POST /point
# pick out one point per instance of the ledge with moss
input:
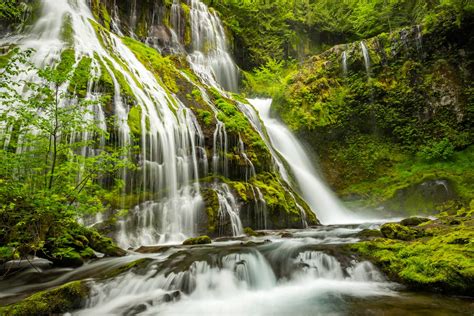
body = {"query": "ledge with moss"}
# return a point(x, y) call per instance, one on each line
point(436, 255)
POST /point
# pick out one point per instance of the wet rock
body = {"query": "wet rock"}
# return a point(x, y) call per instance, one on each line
point(414, 221)
point(66, 298)
point(369, 233)
point(152, 249)
point(286, 235)
point(201, 240)
point(397, 231)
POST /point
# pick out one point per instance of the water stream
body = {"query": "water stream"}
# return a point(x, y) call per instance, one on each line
point(313, 189)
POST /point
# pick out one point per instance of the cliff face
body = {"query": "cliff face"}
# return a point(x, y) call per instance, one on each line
point(407, 104)
point(157, 78)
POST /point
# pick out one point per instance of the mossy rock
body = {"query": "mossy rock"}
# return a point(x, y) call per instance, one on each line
point(250, 232)
point(414, 221)
point(397, 231)
point(63, 299)
point(201, 240)
point(369, 233)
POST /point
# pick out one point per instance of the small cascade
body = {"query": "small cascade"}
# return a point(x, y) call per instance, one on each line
point(176, 20)
point(249, 167)
point(210, 58)
point(260, 208)
point(133, 17)
point(313, 189)
point(219, 283)
point(228, 211)
point(319, 265)
point(365, 54)
point(115, 23)
point(344, 63)
point(419, 38)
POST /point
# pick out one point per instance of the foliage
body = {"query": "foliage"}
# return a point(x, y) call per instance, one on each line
point(296, 28)
point(46, 183)
point(11, 10)
point(435, 151)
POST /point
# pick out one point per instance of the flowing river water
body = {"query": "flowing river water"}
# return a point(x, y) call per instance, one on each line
point(292, 272)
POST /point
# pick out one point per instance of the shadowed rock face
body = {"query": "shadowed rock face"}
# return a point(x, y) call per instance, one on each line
point(424, 197)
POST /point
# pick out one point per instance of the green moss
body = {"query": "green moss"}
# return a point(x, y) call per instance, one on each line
point(5, 58)
point(162, 67)
point(67, 32)
point(211, 202)
point(441, 260)
point(68, 59)
point(134, 265)
point(135, 121)
point(250, 232)
point(401, 232)
point(201, 240)
point(80, 77)
point(66, 298)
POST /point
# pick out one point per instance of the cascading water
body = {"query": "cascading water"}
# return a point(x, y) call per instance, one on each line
point(170, 133)
point(315, 283)
point(228, 211)
point(344, 63)
point(312, 187)
point(365, 54)
point(210, 58)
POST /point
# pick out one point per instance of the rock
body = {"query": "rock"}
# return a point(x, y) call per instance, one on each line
point(397, 231)
point(66, 298)
point(152, 249)
point(414, 221)
point(201, 240)
point(369, 233)
point(286, 235)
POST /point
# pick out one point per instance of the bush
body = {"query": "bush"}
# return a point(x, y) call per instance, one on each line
point(435, 151)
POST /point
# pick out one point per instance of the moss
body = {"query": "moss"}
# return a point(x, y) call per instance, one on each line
point(68, 59)
point(441, 260)
point(250, 232)
point(205, 116)
point(5, 58)
point(135, 121)
point(284, 207)
point(134, 265)
point(414, 221)
point(63, 299)
point(397, 231)
point(211, 202)
point(162, 67)
point(201, 240)
point(80, 77)
point(67, 32)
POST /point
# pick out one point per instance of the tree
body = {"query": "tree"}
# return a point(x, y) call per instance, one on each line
point(45, 181)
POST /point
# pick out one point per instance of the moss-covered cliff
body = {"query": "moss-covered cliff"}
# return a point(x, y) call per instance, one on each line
point(401, 119)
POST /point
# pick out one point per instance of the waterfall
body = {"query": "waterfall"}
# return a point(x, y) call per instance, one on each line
point(344, 63)
point(366, 55)
point(228, 211)
point(218, 286)
point(170, 135)
point(210, 58)
point(313, 189)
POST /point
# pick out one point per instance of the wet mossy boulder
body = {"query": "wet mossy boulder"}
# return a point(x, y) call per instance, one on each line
point(369, 233)
point(439, 260)
point(73, 248)
point(398, 231)
point(414, 221)
point(201, 240)
point(63, 299)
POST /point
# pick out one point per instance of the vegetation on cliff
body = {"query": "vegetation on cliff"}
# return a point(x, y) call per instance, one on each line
point(435, 254)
